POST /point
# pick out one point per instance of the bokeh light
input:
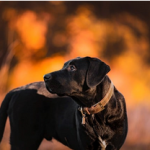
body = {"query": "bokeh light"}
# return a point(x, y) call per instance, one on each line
point(38, 37)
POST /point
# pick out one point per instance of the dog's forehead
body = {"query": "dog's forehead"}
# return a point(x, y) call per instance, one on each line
point(67, 63)
point(76, 61)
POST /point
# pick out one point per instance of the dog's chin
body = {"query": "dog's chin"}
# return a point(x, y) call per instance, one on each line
point(50, 90)
point(61, 94)
point(54, 92)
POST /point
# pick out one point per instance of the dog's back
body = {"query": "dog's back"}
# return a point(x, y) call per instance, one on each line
point(35, 114)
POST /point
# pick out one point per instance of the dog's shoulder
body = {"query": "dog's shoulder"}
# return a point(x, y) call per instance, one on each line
point(35, 87)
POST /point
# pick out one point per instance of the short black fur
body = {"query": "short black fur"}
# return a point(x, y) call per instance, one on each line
point(35, 113)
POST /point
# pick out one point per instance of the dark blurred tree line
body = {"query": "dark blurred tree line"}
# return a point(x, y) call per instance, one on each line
point(100, 9)
point(57, 27)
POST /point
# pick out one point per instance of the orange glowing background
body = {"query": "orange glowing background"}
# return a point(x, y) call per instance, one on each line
point(41, 40)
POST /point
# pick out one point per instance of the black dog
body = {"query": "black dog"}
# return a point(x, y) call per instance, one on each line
point(34, 113)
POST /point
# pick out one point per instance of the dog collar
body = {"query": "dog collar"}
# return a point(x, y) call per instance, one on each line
point(98, 107)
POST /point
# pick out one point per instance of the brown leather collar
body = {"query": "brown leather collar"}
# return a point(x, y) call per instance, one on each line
point(100, 105)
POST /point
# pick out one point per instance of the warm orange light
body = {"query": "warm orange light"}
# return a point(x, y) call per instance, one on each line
point(27, 72)
point(31, 30)
point(88, 35)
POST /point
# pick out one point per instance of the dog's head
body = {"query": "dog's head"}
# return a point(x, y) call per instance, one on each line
point(78, 77)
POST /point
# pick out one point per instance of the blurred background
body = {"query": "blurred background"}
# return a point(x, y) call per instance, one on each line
point(38, 37)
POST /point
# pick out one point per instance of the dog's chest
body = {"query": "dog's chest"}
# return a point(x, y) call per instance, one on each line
point(71, 132)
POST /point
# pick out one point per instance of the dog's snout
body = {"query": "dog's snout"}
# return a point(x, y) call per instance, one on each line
point(47, 77)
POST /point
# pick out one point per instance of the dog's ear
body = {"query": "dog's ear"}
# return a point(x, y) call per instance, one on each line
point(96, 72)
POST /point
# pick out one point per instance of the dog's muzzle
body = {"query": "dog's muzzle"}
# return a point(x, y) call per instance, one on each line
point(47, 77)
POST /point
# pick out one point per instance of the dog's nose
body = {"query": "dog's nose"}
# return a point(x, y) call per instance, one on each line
point(47, 77)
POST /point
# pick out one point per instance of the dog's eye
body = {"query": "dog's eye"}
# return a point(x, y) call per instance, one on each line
point(72, 68)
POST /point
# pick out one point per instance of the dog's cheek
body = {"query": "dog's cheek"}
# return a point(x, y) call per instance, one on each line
point(78, 89)
point(79, 79)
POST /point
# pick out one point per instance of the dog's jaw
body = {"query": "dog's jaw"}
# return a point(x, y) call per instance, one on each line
point(85, 98)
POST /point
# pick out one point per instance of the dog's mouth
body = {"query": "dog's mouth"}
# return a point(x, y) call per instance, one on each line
point(73, 95)
point(50, 90)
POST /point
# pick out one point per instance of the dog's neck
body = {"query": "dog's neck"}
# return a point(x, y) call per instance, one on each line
point(106, 91)
point(92, 96)
point(102, 89)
